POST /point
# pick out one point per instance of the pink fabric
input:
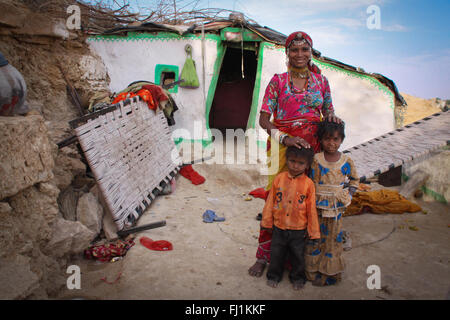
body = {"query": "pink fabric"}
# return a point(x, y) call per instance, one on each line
point(286, 102)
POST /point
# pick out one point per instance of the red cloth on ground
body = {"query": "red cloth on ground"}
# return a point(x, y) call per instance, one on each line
point(105, 252)
point(259, 193)
point(189, 173)
point(160, 245)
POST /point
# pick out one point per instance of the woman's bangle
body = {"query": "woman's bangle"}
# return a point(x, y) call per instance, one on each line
point(275, 133)
point(279, 136)
point(282, 137)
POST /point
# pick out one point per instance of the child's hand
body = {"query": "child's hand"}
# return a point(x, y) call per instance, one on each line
point(269, 230)
point(313, 242)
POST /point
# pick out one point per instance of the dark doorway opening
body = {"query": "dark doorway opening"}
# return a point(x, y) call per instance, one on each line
point(233, 97)
point(167, 78)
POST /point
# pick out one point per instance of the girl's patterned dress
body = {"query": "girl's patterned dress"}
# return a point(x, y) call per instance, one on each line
point(324, 261)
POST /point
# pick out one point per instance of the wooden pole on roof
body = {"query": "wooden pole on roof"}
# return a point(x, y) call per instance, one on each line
point(175, 10)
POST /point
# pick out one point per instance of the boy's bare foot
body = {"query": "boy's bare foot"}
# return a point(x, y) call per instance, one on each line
point(272, 283)
point(257, 269)
point(298, 285)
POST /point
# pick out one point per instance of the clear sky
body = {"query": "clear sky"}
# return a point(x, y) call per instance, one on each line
point(411, 45)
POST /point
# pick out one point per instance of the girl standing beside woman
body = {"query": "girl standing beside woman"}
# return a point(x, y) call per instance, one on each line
point(330, 171)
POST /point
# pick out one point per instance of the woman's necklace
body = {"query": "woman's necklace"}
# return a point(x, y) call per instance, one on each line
point(293, 88)
point(302, 73)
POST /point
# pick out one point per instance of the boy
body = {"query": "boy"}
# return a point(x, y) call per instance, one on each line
point(290, 213)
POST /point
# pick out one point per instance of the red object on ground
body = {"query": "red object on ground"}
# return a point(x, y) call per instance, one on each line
point(160, 245)
point(259, 193)
point(105, 252)
point(189, 173)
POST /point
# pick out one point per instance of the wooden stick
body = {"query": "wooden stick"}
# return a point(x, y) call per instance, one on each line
point(67, 142)
point(124, 233)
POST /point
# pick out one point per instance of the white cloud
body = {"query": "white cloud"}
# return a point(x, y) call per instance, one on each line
point(394, 28)
point(350, 23)
point(345, 22)
point(302, 8)
point(425, 75)
point(326, 37)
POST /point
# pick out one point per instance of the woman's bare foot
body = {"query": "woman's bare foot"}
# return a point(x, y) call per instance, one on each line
point(272, 283)
point(298, 285)
point(257, 269)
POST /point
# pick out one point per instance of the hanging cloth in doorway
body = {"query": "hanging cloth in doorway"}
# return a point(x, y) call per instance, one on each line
point(189, 74)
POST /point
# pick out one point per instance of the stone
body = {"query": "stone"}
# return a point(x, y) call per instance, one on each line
point(5, 207)
point(67, 202)
point(90, 212)
point(83, 182)
point(109, 227)
point(16, 278)
point(67, 166)
point(69, 237)
point(27, 223)
point(26, 155)
point(12, 16)
point(34, 210)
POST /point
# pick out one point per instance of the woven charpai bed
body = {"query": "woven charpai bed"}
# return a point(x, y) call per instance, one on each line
point(132, 156)
point(401, 146)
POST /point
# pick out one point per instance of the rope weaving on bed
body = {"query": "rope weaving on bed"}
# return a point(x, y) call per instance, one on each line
point(129, 150)
point(400, 146)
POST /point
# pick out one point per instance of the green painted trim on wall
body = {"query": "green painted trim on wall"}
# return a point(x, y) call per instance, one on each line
point(221, 49)
point(160, 68)
point(247, 35)
point(135, 36)
point(353, 74)
point(205, 143)
point(255, 99)
point(437, 196)
point(262, 144)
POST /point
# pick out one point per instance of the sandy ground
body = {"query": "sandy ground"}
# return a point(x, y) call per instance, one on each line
point(210, 260)
point(418, 108)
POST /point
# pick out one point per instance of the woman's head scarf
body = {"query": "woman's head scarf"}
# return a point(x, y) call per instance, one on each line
point(300, 35)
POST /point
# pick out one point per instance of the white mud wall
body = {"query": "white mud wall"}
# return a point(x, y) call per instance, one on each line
point(136, 59)
point(364, 104)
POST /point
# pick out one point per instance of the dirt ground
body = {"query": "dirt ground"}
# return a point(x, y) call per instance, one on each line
point(210, 260)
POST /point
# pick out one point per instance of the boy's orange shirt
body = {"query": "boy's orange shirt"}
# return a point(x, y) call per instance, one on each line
point(291, 205)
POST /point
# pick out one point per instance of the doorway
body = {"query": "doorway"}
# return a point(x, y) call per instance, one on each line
point(232, 101)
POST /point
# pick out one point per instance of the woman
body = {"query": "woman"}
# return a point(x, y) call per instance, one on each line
point(298, 100)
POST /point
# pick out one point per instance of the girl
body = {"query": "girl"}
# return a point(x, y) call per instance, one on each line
point(330, 170)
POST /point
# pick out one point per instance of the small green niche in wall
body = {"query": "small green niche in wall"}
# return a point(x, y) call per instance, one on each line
point(165, 74)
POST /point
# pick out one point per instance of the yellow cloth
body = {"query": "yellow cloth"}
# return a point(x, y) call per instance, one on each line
point(381, 201)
